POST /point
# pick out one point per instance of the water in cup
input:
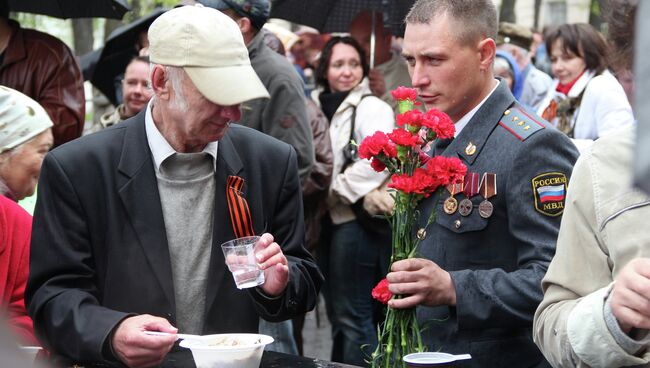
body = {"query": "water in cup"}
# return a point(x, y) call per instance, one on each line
point(240, 257)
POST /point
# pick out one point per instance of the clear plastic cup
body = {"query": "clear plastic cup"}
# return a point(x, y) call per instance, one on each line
point(240, 259)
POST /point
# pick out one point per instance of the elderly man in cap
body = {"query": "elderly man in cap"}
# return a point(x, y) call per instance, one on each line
point(283, 115)
point(516, 40)
point(129, 221)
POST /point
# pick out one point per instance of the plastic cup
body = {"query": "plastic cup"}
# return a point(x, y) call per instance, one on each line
point(240, 259)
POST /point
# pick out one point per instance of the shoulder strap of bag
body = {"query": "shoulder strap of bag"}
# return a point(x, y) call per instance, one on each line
point(349, 160)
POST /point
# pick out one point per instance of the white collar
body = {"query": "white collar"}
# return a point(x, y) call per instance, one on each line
point(460, 124)
point(581, 83)
point(161, 149)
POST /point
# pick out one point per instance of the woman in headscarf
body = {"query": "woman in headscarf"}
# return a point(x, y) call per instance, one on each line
point(586, 101)
point(506, 67)
point(25, 138)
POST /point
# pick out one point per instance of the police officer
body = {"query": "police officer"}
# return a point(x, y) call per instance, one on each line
point(516, 40)
point(477, 281)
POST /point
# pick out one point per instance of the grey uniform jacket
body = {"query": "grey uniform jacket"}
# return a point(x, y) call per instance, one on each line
point(284, 115)
point(497, 263)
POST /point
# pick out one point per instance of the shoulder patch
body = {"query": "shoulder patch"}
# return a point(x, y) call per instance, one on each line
point(521, 124)
point(549, 191)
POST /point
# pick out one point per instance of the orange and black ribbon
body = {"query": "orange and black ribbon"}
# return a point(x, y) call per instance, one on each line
point(240, 214)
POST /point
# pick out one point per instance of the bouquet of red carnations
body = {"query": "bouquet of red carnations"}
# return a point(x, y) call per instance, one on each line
point(415, 175)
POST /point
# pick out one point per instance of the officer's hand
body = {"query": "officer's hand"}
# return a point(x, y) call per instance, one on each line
point(377, 83)
point(630, 299)
point(276, 268)
point(378, 202)
point(421, 282)
point(135, 348)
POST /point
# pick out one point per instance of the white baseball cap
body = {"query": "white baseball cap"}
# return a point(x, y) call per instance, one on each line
point(209, 46)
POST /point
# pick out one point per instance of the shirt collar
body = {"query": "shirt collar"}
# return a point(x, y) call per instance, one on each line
point(460, 124)
point(161, 149)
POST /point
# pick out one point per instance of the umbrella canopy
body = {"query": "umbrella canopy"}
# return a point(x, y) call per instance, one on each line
point(88, 62)
point(72, 8)
point(115, 55)
point(336, 15)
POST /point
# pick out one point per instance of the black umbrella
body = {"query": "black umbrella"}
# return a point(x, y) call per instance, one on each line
point(72, 8)
point(113, 58)
point(336, 15)
point(88, 62)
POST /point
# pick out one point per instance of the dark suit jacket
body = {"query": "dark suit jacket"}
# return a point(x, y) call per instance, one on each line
point(496, 264)
point(100, 248)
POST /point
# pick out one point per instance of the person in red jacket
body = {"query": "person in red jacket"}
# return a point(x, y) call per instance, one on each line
point(15, 232)
point(25, 138)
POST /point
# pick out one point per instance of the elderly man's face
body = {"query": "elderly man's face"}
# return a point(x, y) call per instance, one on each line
point(445, 71)
point(198, 120)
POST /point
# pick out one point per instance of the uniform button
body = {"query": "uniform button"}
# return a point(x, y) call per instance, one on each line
point(457, 224)
point(555, 331)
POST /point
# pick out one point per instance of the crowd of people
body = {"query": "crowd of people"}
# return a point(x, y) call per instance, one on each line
point(129, 218)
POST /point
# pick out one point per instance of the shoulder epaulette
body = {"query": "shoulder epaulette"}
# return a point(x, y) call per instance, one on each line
point(521, 124)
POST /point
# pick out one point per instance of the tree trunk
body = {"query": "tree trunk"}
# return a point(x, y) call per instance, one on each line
point(136, 11)
point(507, 13)
point(597, 13)
point(538, 6)
point(110, 26)
point(82, 31)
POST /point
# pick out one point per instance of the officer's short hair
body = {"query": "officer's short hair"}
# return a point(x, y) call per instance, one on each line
point(477, 18)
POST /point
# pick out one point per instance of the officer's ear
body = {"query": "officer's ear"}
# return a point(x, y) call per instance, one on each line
point(487, 49)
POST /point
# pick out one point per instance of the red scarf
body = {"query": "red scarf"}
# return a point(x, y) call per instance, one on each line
point(565, 88)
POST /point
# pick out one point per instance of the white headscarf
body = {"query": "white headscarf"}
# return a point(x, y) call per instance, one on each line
point(21, 119)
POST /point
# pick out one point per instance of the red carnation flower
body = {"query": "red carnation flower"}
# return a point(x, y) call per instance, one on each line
point(446, 170)
point(404, 138)
point(375, 144)
point(381, 292)
point(403, 93)
point(377, 165)
point(418, 183)
point(440, 123)
point(411, 117)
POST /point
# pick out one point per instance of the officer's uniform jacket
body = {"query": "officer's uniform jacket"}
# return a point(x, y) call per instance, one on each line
point(497, 263)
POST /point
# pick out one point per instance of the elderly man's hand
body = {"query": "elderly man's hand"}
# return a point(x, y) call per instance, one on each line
point(276, 269)
point(422, 282)
point(135, 348)
point(630, 299)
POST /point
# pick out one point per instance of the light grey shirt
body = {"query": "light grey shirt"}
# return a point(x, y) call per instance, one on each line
point(186, 185)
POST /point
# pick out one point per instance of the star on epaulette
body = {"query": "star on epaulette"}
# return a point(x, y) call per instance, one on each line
point(519, 123)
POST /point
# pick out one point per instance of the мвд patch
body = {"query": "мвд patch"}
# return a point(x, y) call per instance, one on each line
point(549, 190)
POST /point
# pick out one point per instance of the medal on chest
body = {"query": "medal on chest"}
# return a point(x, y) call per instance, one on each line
point(488, 190)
